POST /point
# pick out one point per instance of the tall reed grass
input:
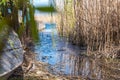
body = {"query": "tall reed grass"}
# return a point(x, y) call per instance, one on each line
point(92, 23)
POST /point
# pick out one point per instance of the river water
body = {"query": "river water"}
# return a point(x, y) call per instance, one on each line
point(70, 60)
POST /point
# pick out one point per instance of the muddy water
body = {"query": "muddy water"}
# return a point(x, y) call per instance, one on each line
point(70, 60)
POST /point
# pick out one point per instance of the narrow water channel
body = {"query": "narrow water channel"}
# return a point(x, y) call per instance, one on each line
point(67, 59)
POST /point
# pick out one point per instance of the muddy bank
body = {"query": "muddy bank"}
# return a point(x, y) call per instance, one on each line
point(36, 70)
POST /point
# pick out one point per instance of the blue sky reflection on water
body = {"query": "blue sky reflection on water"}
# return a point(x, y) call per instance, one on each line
point(41, 2)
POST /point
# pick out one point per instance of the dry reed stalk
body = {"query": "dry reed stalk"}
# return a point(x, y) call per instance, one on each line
point(96, 24)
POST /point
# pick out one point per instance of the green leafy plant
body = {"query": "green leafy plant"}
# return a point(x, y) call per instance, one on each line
point(46, 9)
point(27, 28)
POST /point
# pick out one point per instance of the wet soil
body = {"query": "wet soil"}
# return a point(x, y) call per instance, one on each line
point(36, 70)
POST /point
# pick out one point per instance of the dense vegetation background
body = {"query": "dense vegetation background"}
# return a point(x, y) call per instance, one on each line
point(92, 23)
point(18, 15)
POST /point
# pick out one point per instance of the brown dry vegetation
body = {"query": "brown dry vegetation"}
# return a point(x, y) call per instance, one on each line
point(94, 23)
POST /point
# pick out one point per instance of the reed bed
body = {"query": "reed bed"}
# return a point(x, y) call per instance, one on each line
point(92, 23)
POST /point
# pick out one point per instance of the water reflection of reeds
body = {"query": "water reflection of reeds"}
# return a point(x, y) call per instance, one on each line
point(74, 65)
point(69, 60)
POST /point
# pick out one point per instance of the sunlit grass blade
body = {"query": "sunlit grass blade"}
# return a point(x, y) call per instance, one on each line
point(46, 9)
point(4, 29)
point(33, 25)
point(21, 30)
